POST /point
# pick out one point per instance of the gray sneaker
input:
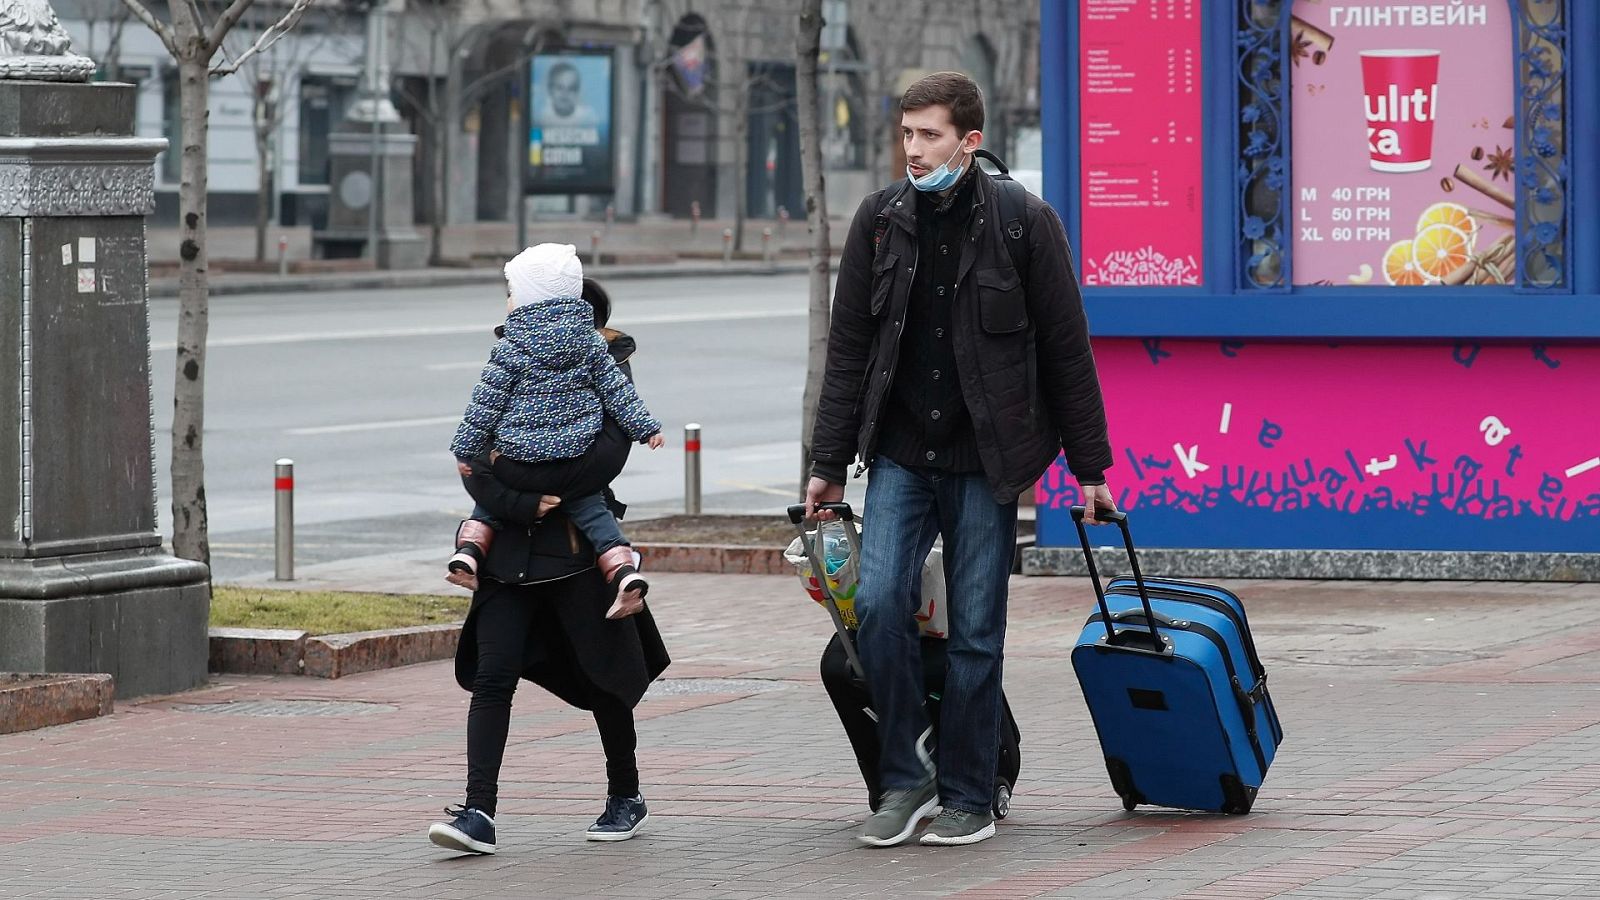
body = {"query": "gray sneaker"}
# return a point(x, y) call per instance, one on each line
point(957, 826)
point(899, 813)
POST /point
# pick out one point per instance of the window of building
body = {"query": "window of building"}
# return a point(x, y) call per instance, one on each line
point(324, 100)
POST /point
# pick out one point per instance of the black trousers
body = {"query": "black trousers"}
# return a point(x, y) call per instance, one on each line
point(502, 632)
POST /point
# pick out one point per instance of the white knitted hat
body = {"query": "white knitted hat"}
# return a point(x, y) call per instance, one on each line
point(544, 272)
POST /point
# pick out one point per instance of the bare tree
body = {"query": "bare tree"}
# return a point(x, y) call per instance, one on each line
point(892, 34)
point(808, 48)
point(444, 39)
point(193, 39)
point(740, 28)
point(268, 76)
point(114, 16)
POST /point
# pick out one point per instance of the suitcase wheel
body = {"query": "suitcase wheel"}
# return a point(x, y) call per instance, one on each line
point(1237, 797)
point(1002, 800)
point(1129, 803)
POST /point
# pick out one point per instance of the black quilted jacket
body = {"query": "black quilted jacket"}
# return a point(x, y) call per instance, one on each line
point(1022, 345)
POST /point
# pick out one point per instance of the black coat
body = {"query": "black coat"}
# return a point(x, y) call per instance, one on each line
point(573, 650)
point(1021, 342)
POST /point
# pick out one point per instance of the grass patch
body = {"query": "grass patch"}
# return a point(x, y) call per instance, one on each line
point(330, 612)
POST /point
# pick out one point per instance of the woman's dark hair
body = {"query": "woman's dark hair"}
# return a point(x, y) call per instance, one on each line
point(599, 299)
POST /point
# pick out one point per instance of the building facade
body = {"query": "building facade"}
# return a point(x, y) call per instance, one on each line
point(685, 104)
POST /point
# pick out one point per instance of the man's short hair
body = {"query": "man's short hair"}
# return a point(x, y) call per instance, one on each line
point(952, 90)
point(562, 68)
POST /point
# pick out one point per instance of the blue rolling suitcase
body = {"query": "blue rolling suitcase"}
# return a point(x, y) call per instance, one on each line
point(1178, 695)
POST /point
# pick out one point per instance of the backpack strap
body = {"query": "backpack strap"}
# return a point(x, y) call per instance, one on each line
point(1014, 215)
point(880, 222)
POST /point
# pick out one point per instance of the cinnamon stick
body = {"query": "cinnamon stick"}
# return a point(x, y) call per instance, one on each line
point(1320, 41)
point(1472, 179)
point(1496, 255)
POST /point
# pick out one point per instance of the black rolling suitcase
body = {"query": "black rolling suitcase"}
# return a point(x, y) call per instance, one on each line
point(848, 691)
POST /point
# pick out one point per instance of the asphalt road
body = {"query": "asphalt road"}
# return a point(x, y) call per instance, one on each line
point(363, 390)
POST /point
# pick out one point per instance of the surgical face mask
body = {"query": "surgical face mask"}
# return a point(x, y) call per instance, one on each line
point(938, 179)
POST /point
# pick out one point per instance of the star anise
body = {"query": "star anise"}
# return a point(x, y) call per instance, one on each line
point(1501, 164)
point(1300, 49)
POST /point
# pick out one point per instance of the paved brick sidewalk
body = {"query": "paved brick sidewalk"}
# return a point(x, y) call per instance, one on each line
point(1442, 743)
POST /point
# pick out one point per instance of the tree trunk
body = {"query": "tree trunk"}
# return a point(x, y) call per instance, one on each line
point(189, 524)
point(263, 129)
point(444, 121)
point(810, 113)
point(741, 162)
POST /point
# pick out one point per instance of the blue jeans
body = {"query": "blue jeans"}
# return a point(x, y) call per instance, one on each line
point(589, 512)
point(906, 509)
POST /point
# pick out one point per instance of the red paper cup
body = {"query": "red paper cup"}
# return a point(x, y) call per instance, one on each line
point(1402, 95)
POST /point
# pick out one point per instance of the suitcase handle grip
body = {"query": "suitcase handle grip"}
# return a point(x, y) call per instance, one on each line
point(1121, 518)
point(797, 513)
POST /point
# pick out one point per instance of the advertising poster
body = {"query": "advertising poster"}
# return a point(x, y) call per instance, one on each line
point(1216, 447)
point(1141, 142)
point(1403, 141)
point(569, 124)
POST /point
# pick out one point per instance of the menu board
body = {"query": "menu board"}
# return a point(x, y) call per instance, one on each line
point(1139, 83)
point(1404, 143)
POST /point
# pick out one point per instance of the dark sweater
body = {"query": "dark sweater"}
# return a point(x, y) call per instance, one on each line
point(926, 422)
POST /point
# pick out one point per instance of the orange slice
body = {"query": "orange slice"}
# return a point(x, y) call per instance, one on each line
point(1453, 214)
point(1440, 250)
point(1399, 268)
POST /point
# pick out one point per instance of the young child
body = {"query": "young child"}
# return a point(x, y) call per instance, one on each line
point(544, 394)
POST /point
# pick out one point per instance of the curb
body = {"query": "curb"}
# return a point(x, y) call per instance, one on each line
point(713, 559)
point(726, 559)
point(39, 701)
point(430, 278)
point(266, 651)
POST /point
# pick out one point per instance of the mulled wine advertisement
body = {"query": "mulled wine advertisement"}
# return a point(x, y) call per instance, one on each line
point(1403, 139)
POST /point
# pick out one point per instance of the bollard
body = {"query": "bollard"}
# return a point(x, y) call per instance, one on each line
point(691, 469)
point(783, 221)
point(594, 248)
point(283, 520)
point(694, 220)
point(611, 216)
point(766, 245)
point(727, 245)
point(283, 255)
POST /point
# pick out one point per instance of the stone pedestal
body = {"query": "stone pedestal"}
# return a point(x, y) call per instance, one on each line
point(353, 189)
point(84, 583)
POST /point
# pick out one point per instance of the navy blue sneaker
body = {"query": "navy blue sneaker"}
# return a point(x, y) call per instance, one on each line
point(620, 821)
point(471, 832)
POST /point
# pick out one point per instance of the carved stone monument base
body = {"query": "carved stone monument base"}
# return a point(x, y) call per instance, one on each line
point(347, 234)
point(84, 583)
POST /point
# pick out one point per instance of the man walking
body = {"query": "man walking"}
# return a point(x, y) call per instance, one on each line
point(958, 368)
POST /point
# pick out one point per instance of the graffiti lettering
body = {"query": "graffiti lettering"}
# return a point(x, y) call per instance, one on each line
point(1511, 460)
point(1468, 468)
point(1419, 455)
point(1549, 488)
point(1270, 434)
point(1494, 430)
point(1377, 467)
point(1354, 466)
point(1190, 461)
point(1466, 354)
point(1152, 346)
point(1542, 354)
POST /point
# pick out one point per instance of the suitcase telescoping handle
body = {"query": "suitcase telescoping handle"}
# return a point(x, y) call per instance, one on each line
point(1112, 638)
point(819, 570)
